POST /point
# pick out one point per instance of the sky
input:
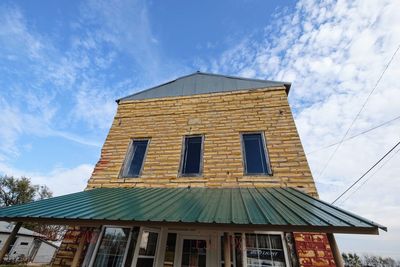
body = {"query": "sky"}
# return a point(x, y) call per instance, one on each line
point(64, 63)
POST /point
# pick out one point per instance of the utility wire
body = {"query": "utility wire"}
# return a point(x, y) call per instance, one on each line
point(362, 176)
point(356, 135)
point(359, 112)
point(372, 175)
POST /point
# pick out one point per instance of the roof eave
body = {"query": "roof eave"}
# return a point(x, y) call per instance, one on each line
point(287, 85)
point(373, 230)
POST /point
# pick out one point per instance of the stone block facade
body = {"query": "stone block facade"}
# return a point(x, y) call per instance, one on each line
point(220, 118)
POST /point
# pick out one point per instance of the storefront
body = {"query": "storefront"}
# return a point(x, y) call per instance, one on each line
point(141, 246)
point(196, 226)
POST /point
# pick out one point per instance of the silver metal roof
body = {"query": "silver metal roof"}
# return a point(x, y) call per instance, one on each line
point(203, 83)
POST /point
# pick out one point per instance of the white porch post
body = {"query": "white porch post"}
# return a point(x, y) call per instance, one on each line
point(227, 249)
point(78, 252)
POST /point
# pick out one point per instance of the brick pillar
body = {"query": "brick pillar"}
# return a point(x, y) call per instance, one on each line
point(313, 249)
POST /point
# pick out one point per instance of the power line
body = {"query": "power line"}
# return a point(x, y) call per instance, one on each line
point(358, 114)
point(372, 175)
point(356, 135)
point(362, 176)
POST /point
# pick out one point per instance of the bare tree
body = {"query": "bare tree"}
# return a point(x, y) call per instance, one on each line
point(14, 191)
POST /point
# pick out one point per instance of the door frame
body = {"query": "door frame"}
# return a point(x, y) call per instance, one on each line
point(137, 247)
point(179, 247)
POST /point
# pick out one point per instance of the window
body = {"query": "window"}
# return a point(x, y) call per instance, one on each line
point(194, 253)
point(170, 250)
point(147, 249)
point(135, 158)
point(254, 154)
point(24, 243)
point(112, 247)
point(192, 156)
point(264, 250)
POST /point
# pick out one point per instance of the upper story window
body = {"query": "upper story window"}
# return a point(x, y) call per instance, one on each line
point(254, 154)
point(192, 158)
point(135, 158)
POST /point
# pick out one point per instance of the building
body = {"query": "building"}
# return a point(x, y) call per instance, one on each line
point(28, 245)
point(205, 170)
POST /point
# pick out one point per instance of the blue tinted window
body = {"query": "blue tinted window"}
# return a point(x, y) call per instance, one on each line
point(192, 155)
point(135, 158)
point(254, 154)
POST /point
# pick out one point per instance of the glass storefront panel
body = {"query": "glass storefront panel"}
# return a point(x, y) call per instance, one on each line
point(170, 250)
point(132, 246)
point(112, 247)
point(147, 249)
point(194, 253)
point(264, 250)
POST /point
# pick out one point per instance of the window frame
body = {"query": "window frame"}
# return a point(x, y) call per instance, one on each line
point(136, 255)
point(281, 234)
point(180, 173)
point(243, 150)
point(129, 154)
point(100, 237)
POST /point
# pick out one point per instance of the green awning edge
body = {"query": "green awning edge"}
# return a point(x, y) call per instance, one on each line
point(287, 209)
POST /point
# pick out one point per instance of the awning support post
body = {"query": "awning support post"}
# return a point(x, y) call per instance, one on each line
point(227, 250)
point(9, 240)
point(335, 250)
point(78, 252)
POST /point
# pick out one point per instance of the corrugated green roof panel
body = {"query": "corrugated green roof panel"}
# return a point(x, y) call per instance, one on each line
point(234, 206)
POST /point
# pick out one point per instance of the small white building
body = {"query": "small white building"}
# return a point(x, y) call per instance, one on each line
point(28, 246)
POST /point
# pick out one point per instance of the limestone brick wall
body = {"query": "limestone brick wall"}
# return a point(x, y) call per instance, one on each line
point(221, 118)
point(66, 252)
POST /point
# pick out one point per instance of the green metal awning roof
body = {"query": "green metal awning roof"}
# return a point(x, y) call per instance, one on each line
point(283, 209)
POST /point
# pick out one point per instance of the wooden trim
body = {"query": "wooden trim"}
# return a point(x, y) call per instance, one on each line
point(207, 226)
point(227, 249)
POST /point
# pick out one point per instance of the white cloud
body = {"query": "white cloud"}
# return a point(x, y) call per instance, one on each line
point(126, 25)
point(95, 106)
point(37, 84)
point(334, 52)
point(61, 181)
point(12, 23)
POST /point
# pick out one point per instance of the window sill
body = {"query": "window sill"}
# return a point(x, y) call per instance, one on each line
point(190, 175)
point(258, 174)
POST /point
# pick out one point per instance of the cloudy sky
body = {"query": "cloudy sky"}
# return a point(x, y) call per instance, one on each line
point(63, 63)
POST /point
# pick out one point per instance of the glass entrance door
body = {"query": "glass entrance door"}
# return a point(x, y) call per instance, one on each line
point(194, 252)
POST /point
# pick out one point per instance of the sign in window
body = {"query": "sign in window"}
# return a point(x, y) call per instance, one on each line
point(264, 250)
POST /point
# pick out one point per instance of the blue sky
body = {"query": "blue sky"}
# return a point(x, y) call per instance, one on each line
point(63, 64)
point(60, 55)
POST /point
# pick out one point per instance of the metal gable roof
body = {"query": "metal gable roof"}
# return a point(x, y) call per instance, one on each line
point(270, 208)
point(203, 83)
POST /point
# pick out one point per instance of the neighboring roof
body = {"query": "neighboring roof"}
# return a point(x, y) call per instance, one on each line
point(203, 83)
point(6, 227)
point(269, 208)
